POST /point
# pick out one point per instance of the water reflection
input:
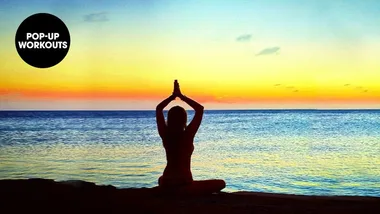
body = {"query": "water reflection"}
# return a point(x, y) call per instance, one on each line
point(292, 152)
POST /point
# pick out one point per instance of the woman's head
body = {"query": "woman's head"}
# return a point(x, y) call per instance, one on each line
point(177, 118)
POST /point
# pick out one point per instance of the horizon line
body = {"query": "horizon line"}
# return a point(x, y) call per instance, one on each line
point(237, 109)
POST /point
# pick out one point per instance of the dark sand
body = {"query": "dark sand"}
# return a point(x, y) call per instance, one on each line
point(48, 196)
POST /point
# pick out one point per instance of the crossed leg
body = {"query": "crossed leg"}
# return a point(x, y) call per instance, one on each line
point(201, 187)
point(205, 187)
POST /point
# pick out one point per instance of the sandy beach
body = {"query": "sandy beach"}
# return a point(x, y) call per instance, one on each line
point(42, 195)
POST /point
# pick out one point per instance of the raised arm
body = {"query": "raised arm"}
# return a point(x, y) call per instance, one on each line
point(160, 119)
point(192, 128)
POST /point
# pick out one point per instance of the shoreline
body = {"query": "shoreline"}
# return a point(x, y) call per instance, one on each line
point(36, 195)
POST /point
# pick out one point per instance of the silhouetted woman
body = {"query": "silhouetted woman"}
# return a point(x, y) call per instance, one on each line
point(177, 140)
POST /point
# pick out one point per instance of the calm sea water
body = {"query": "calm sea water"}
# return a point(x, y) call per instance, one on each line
point(287, 151)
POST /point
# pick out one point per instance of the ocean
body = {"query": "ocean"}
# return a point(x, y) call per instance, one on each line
point(307, 152)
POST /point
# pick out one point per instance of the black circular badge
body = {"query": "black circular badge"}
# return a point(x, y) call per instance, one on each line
point(42, 40)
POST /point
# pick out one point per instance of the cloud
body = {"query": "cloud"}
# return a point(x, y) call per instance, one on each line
point(268, 51)
point(362, 89)
point(96, 17)
point(244, 38)
point(287, 87)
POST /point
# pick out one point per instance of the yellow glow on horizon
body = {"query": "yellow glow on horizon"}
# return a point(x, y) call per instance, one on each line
point(224, 74)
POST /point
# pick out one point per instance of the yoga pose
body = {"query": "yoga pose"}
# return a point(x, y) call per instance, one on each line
point(178, 140)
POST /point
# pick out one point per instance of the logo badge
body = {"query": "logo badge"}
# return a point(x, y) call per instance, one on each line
point(42, 40)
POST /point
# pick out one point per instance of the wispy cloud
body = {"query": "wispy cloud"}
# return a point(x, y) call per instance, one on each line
point(96, 17)
point(268, 51)
point(244, 38)
point(357, 88)
point(287, 87)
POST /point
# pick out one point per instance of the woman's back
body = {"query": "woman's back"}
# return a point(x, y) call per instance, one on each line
point(178, 148)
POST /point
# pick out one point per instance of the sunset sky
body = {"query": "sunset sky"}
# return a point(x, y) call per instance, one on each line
point(225, 54)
